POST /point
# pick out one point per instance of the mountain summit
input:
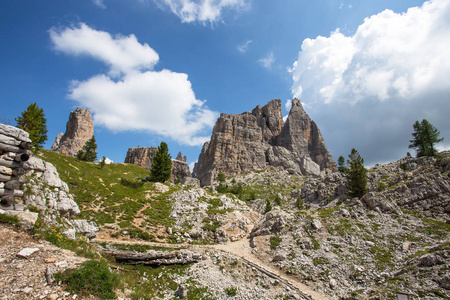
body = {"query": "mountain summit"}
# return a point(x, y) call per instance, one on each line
point(260, 139)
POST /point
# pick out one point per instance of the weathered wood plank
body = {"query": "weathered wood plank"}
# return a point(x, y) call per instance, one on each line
point(16, 193)
point(15, 132)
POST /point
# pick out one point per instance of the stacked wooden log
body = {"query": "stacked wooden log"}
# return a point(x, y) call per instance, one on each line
point(14, 151)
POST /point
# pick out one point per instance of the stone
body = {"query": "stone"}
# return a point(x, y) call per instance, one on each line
point(79, 129)
point(57, 141)
point(182, 291)
point(90, 229)
point(190, 181)
point(309, 167)
point(259, 139)
point(429, 260)
point(316, 224)
point(26, 252)
point(143, 157)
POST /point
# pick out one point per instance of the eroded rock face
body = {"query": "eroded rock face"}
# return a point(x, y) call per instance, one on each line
point(257, 140)
point(143, 157)
point(79, 130)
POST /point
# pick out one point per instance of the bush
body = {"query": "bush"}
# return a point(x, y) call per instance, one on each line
point(221, 177)
point(268, 206)
point(131, 183)
point(274, 242)
point(92, 278)
point(231, 291)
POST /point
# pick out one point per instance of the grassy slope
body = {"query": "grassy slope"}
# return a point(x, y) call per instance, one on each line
point(104, 199)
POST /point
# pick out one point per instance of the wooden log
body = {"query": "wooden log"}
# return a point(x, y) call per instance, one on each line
point(10, 148)
point(22, 157)
point(5, 178)
point(6, 170)
point(12, 185)
point(10, 163)
point(19, 171)
point(155, 258)
point(14, 132)
point(8, 140)
point(26, 145)
point(8, 199)
point(6, 192)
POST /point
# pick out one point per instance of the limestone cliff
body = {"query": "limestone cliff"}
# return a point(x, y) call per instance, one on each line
point(79, 130)
point(143, 156)
point(259, 139)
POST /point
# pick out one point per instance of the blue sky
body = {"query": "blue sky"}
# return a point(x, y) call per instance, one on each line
point(163, 70)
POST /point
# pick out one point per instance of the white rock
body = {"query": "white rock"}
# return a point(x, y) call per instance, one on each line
point(25, 252)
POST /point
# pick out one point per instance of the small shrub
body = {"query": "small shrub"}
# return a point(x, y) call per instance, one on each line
point(14, 220)
point(222, 189)
point(274, 242)
point(268, 206)
point(131, 183)
point(252, 195)
point(221, 177)
point(300, 204)
point(278, 200)
point(231, 291)
point(92, 278)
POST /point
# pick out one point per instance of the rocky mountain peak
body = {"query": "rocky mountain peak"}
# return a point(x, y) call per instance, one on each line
point(259, 139)
point(79, 130)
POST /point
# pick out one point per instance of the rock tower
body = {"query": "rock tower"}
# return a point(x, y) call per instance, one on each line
point(79, 130)
point(259, 139)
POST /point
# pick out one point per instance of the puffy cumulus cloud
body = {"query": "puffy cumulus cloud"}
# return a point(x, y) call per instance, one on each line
point(367, 89)
point(122, 53)
point(159, 102)
point(201, 10)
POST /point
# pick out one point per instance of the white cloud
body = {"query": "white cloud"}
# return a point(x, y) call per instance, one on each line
point(244, 47)
point(267, 61)
point(122, 53)
point(374, 84)
point(201, 10)
point(288, 104)
point(99, 3)
point(160, 102)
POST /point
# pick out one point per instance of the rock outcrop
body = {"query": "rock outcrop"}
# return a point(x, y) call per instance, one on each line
point(143, 157)
point(79, 130)
point(257, 140)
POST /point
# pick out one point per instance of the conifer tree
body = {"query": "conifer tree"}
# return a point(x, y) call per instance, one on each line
point(162, 164)
point(341, 164)
point(33, 121)
point(356, 175)
point(89, 151)
point(425, 136)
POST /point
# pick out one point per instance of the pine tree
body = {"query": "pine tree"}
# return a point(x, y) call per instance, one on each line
point(425, 136)
point(89, 151)
point(34, 122)
point(162, 164)
point(341, 164)
point(356, 175)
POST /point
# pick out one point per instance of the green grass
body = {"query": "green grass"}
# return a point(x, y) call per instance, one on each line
point(114, 193)
point(92, 278)
point(275, 241)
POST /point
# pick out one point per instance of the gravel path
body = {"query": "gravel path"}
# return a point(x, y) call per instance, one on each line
point(242, 250)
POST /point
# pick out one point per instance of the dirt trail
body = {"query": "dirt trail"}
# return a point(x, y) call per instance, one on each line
point(240, 249)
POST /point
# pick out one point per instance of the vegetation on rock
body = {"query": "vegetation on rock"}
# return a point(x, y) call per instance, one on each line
point(356, 175)
point(425, 135)
point(89, 151)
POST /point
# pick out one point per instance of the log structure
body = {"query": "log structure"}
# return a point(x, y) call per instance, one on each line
point(14, 151)
point(156, 258)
